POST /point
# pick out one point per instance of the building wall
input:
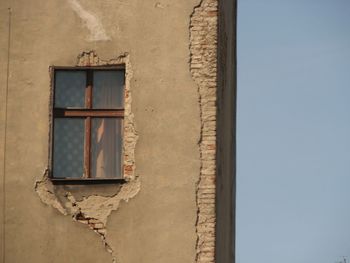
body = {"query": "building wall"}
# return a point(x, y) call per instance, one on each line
point(166, 115)
point(166, 210)
point(226, 133)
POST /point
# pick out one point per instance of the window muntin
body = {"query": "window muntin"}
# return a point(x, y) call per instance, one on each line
point(87, 137)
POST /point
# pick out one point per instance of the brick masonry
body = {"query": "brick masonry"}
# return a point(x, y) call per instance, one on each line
point(203, 66)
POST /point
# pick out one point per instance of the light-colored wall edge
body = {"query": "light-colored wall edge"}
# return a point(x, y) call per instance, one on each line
point(4, 67)
point(226, 130)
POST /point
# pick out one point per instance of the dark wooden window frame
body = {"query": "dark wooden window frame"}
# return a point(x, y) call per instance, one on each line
point(88, 112)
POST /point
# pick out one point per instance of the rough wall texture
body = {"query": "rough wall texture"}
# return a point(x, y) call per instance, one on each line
point(203, 37)
point(155, 35)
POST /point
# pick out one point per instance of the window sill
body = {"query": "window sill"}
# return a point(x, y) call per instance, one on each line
point(87, 180)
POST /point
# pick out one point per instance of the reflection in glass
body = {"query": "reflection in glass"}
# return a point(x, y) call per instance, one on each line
point(70, 89)
point(106, 148)
point(108, 90)
point(68, 154)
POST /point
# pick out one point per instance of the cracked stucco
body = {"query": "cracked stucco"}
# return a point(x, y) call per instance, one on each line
point(93, 209)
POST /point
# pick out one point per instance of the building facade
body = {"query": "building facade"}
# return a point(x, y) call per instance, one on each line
point(173, 200)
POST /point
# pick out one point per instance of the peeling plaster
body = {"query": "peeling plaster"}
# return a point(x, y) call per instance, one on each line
point(100, 207)
point(44, 189)
point(91, 21)
point(94, 209)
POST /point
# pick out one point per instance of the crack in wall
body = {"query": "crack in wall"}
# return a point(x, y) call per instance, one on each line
point(203, 68)
point(93, 210)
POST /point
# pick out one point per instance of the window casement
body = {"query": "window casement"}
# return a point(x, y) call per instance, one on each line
point(87, 116)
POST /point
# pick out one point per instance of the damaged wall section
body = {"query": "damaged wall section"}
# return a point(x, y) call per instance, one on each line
point(203, 66)
point(92, 204)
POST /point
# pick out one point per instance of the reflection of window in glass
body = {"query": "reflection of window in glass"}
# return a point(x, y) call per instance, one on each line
point(88, 112)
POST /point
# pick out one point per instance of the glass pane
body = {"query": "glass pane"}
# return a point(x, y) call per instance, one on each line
point(70, 89)
point(68, 154)
point(108, 90)
point(106, 148)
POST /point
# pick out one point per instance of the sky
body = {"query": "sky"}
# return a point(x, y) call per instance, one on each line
point(293, 131)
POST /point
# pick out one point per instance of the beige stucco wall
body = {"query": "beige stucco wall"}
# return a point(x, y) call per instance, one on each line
point(3, 74)
point(158, 224)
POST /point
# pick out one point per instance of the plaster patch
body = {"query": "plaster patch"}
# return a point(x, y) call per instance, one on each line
point(100, 207)
point(91, 21)
point(44, 189)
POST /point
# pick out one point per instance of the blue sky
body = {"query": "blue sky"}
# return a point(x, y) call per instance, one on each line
point(293, 137)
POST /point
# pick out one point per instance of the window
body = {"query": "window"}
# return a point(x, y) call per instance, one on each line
point(87, 123)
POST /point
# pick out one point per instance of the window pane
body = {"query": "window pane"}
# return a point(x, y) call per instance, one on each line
point(106, 148)
point(68, 154)
point(70, 89)
point(108, 90)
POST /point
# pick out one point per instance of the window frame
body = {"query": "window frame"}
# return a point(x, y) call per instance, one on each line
point(87, 113)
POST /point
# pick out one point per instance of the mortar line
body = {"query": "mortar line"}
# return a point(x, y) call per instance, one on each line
point(5, 134)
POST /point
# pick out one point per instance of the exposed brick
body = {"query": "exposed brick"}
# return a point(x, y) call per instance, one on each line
point(102, 231)
point(94, 221)
point(99, 226)
point(203, 39)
